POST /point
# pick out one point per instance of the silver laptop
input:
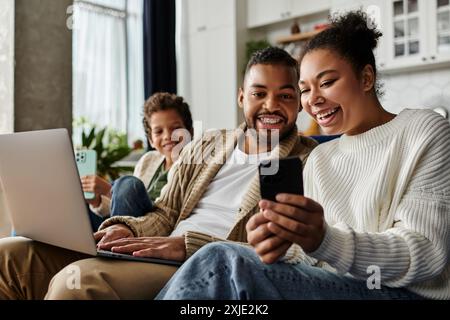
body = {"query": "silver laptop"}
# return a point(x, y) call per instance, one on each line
point(43, 192)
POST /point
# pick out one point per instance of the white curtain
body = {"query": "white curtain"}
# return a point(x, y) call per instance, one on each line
point(108, 65)
point(136, 88)
point(182, 52)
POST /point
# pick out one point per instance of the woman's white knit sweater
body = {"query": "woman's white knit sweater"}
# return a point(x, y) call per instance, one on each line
point(386, 198)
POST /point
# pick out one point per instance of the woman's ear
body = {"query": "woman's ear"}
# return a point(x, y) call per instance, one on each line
point(368, 78)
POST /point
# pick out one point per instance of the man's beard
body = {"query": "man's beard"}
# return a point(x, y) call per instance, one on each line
point(265, 140)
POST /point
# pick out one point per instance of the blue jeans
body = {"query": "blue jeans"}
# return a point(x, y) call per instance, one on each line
point(129, 197)
point(225, 271)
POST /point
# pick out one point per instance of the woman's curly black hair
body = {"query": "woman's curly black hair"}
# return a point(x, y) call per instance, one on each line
point(354, 37)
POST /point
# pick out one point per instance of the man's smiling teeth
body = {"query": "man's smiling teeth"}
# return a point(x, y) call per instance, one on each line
point(321, 116)
point(270, 120)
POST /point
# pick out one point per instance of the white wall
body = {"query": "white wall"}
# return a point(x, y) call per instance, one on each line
point(6, 66)
point(4, 220)
point(6, 87)
point(427, 89)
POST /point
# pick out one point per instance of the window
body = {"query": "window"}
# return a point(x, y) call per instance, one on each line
point(108, 71)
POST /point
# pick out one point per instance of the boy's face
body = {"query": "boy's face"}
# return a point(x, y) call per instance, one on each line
point(270, 98)
point(163, 124)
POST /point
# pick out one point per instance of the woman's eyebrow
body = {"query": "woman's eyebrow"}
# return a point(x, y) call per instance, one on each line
point(321, 74)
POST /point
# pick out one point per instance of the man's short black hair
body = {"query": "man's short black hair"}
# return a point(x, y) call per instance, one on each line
point(273, 56)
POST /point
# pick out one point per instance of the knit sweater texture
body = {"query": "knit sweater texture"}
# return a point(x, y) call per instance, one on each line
point(386, 199)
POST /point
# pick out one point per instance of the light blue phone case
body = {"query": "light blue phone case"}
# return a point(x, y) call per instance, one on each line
point(87, 166)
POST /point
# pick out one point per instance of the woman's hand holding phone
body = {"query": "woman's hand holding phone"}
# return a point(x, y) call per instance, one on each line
point(292, 219)
point(286, 216)
point(296, 219)
point(267, 245)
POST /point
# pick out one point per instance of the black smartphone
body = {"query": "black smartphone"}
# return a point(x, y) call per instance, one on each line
point(280, 176)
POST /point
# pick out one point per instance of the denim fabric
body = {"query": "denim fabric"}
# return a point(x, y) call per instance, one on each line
point(128, 198)
point(96, 220)
point(232, 272)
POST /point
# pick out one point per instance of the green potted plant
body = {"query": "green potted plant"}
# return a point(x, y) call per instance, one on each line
point(254, 45)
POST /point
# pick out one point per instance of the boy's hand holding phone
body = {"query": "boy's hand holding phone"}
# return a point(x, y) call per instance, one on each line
point(93, 186)
point(97, 186)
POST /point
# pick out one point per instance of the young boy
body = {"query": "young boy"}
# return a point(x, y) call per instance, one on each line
point(165, 115)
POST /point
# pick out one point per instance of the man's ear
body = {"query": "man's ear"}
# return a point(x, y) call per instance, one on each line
point(368, 78)
point(241, 98)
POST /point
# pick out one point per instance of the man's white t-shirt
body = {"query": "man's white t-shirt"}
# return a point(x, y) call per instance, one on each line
point(215, 213)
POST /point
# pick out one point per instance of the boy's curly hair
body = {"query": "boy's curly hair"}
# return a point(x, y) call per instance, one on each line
point(162, 101)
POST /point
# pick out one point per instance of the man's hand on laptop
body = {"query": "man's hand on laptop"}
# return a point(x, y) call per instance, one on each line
point(169, 248)
point(114, 232)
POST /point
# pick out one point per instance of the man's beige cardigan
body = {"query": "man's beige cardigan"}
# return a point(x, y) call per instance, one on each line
point(190, 177)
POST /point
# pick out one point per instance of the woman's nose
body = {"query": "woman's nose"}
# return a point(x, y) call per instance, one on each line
point(315, 99)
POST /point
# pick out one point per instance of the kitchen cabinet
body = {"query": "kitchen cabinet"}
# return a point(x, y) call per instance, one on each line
point(211, 14)
point(305, 7)
point(439, 17)
point(417, 34)
point(213, 78)
point(211, 63)
point(264, 12)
